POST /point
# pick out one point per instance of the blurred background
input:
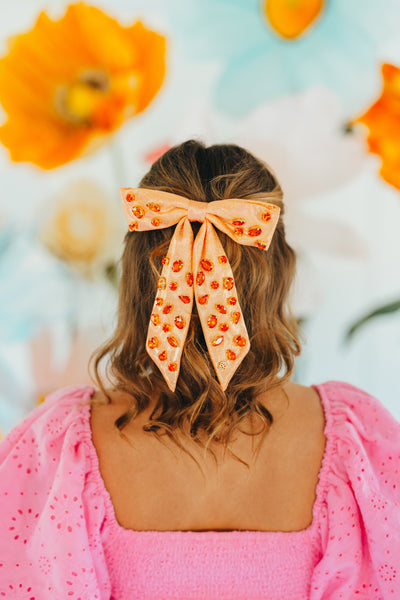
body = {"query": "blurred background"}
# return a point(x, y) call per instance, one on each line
point(91, 94)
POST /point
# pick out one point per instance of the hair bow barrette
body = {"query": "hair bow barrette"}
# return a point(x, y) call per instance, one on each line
point(201, 267)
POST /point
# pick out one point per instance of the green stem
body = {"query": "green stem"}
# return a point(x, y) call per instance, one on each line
point(117, 161)
point(377, 312)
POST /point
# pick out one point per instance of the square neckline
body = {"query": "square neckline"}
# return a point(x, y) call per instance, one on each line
point(311, 530)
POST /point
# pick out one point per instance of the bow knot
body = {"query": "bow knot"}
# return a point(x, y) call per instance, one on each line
point(197, 210)
point(198, 268)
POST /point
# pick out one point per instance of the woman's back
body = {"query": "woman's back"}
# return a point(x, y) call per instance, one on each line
point(153, 487)
point(59, 536)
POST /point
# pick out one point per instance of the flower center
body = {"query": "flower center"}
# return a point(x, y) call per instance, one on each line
point(291, 18)
point(79, 101)
point(79, 229)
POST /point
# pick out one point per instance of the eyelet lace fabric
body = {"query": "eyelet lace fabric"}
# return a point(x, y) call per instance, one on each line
point(59, 537)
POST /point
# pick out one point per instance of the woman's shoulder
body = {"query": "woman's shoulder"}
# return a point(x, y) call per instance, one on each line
point(356, 422)
point(344, 402)
point(51, 509)
point(62, 409)
point(359, 514)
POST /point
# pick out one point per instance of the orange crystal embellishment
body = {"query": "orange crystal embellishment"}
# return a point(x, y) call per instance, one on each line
point(261, 245)
point(214, 285)
point(212, 321)
point(230, 355)
point(235, 316)
point(161, 283)
point(162, 355)
point(189, 279)
point(231, 300)
point(165, 260)
point(172, 367)
point(173, 286)
point(155, 222)
point(177, 265)
point(207, 264)
point(238, 222)
point(222, 259)
point(266, 217)
point(185, 299)
point(254, 231)
point(228, 283)
point(238, 231)
point(172, 341)
point(166, 327)
point(153, 342)
point(217, 340)
point(153, 206)
point(132, 226)
point(179, 322)
point(138, 211)
point(159, 301)
point(200, 278)
point(221, 308)
point(203, 299)
point(155, 319)
point(222, 364)
point(167, 309)
point(239, 340)
point(224, 327)
point(130, 197)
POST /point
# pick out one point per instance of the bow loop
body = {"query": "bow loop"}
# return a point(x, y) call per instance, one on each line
point(198, 267)
point(248, 222)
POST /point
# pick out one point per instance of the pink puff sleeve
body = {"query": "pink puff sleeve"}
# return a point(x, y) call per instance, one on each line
point(360, 518)
point(51, 513)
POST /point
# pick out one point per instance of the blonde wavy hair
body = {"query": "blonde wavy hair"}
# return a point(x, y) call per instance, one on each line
point(263, 281)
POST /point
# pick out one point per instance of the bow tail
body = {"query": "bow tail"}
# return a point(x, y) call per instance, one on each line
point(218, 305)
point(172, 309)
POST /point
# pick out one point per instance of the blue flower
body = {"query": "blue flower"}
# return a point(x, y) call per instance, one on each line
point(339, 49)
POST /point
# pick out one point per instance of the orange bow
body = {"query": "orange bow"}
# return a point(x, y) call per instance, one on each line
point(200, 265)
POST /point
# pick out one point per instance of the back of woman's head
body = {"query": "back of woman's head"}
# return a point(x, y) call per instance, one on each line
point(262, 278)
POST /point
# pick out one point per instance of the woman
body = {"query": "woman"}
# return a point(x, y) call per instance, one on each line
point(202, 471)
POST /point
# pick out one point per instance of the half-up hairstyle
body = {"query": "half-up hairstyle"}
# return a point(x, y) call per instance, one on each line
point(263, 280)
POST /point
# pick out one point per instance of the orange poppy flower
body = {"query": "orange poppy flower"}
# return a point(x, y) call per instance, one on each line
point(383, 122)
point(66, 85)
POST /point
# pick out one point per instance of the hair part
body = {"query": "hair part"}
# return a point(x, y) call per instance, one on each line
point(263, 280)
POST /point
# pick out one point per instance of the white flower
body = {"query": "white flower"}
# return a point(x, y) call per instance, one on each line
point(83, 227)
point(301, 137)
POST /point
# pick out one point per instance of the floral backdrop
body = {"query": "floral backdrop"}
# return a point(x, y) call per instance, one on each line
point(92, 93)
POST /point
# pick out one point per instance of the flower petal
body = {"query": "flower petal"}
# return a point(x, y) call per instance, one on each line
point(151, 48)
point(36, 142)
point(325, 235)
point(105, 40)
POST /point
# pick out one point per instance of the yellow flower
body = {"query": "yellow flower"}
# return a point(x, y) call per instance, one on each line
point(83, 228)
point(383, 122)
point(66, 85)
point(291, 18)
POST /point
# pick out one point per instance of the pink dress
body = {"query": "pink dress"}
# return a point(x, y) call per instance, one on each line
point(59, 538)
